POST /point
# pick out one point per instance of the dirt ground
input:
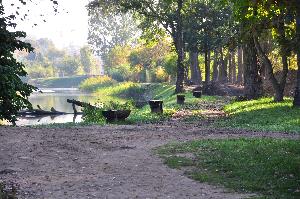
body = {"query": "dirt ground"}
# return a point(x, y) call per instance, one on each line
point(113, 162)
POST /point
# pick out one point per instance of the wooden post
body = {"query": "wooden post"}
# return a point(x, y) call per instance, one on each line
point(156, 106)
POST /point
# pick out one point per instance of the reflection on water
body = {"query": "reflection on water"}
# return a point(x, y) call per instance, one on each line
point(56, 98)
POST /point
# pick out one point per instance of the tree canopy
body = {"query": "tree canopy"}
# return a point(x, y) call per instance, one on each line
point(13, 92)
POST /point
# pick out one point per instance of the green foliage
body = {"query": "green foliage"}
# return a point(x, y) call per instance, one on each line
point(169, 64)
point(121, 73)
point(87, 60)
point(263, 114)
point(93, 116)
point(265, 166)
point(144, 92)
point(13, 92)
point(71, 66)
point(39, 71)
point(6, 193)
point(108, 30)
point(208, 25)
point(94, 83)
point(48, 61)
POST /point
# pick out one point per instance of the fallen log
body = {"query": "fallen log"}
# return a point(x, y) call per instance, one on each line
point(40, 112)
point(79, 103)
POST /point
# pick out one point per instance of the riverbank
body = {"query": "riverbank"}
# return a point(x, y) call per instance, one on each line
point(120, 161)
point(61, 82)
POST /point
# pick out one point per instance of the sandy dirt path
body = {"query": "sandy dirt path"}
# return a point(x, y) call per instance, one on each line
point(113, 162)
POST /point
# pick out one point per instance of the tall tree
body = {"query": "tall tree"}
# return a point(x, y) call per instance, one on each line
point(215, 66)
point(164, 15)
point(87, 60)
point(297, 50)
point(240, 65)
point(252, 78)
point(206, 28)
point(110, 29)
point(195, 69)
point(13, 92)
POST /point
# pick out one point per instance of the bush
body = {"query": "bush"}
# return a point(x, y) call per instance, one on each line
point(93, 83)
point(161, 75)
point(93, 116)
point(121, 73)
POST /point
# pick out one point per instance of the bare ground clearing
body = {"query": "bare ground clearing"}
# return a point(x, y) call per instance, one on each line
point(112, 162)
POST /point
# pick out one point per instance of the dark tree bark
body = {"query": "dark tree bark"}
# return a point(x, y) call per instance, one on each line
point(297, 89)
point(233, 67)
point(179, 44)
point(230, 67)
point(186, 69)
point(195, 70)
point(223, 67)
point(215, 66)
point(240, 65)
point(278, 86)
point(207, 66)
point(252, 79)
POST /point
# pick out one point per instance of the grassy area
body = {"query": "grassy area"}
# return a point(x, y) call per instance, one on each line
point(144, 92)
point(268, 167)
point(263, 114)
point(93, 83)
point(63, 82)
point(125, 90)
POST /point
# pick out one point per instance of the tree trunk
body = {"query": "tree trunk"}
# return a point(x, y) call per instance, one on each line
point(240, 65)
point(297, 89)
point(278, 86)
point(195, 70)
point(223, 68)
point(233, 67)
point(207, 66)
point(179, 44)
point(215, 66)
point(252, 79)
point(230, 66)
point(186, 69)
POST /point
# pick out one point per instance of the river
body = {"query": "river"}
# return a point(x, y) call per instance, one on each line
point(57, 98)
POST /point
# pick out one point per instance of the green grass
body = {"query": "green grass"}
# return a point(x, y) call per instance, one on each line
point(127, 90)
point(144, 92)
point(264, 115)
point(268, 167)
point(93, 83)
point(63, 82)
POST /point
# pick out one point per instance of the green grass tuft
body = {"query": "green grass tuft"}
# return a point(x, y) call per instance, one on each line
point(266, 166)
point(264, 115)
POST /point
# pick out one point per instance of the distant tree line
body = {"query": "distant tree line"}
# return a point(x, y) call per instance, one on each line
point(48, 61)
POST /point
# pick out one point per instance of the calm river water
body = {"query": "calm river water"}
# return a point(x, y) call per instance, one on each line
point(57, 98)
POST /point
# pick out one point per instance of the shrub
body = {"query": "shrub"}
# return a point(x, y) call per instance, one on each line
point(93, 116)
point(121, 73)
point(161, 75)
point(93, 83)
